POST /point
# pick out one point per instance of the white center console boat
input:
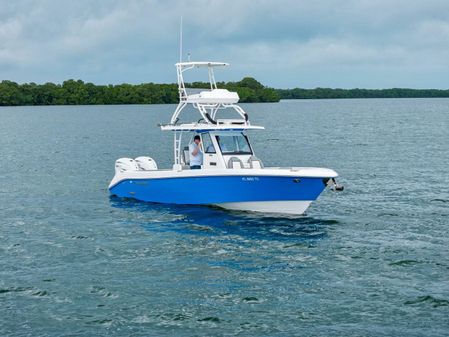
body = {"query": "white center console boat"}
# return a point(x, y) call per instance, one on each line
point(231, 175)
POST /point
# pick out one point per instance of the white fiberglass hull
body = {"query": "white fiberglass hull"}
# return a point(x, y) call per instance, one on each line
point(293, 207)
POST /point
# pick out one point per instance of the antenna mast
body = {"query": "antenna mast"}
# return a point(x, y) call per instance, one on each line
point(180, 41)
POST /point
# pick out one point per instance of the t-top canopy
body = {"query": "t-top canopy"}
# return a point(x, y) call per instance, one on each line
point(207, 102)
point(201, 64)
point(209, 127)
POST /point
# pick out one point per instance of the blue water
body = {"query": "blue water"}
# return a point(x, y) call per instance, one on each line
point(370, 261)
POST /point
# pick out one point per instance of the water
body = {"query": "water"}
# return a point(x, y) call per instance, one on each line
point(372, 260)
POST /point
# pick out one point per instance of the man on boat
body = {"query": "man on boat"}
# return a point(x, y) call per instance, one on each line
point(196, 156)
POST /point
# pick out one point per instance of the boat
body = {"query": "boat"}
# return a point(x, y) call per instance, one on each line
point(230, 176)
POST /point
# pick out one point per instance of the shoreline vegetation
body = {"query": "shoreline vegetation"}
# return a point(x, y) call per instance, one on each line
point(77, 92)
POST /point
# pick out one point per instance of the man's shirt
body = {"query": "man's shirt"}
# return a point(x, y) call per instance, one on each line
point(195, 159)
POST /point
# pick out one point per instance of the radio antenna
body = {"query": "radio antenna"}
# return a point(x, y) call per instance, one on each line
point(180, 41)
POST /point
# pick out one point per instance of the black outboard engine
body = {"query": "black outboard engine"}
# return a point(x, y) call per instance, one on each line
point(333, 185)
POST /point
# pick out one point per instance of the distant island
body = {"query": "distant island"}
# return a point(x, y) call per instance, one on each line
point(77, 92)
point(327, 93)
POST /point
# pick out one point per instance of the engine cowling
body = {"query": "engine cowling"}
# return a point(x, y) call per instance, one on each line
point(126, 164)
point(146, 163)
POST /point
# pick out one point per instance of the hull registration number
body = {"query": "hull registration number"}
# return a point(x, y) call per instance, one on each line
point(250, 179)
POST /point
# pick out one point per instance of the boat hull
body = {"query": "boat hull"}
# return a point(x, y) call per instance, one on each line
point(272, 194)
point(294, 207)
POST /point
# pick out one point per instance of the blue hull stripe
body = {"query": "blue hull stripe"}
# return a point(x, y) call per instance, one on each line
point(219, 189)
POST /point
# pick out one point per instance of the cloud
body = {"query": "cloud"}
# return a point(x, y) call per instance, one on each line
point(283, 43)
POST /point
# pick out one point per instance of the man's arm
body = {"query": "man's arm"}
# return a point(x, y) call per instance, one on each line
point(195, 150)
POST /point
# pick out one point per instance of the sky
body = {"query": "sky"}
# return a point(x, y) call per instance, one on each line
point(283, 43)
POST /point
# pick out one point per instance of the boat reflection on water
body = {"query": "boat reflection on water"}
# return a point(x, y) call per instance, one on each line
point(214, 221)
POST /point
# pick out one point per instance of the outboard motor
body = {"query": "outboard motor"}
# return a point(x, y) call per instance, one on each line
point(126, 164)
point(332, 183)
point(146, 163)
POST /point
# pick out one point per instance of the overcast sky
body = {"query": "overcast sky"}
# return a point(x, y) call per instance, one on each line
point(284, 44)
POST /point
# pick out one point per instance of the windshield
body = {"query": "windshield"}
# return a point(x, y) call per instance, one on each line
point(207, 143)
point(234, 144)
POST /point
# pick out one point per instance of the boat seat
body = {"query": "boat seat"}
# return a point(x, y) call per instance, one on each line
point(235, 163)
point(255, 163)
point(186, 156)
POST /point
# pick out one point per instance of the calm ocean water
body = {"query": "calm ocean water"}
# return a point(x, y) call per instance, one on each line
point(370, 261)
